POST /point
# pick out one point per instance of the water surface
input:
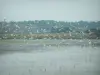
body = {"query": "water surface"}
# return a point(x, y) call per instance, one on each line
point(50, 57)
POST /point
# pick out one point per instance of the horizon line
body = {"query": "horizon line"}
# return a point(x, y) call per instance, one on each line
point(49, 20)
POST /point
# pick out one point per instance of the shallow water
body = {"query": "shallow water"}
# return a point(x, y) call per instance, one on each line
point(49, 58)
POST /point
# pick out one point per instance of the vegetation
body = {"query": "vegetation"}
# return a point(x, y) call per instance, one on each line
point(50, 29)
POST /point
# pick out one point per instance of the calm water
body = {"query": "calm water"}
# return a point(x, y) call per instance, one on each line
point(50, 57)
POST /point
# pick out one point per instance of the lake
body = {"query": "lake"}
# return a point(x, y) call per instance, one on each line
point(49, 57)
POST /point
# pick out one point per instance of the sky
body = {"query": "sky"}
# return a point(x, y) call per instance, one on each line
point(60, 10)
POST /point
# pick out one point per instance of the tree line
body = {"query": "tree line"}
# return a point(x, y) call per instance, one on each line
point(49, 26)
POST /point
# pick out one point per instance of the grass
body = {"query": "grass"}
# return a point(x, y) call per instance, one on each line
point(45, 36)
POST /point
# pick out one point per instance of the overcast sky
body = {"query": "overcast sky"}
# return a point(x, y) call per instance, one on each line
point(64, 10)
